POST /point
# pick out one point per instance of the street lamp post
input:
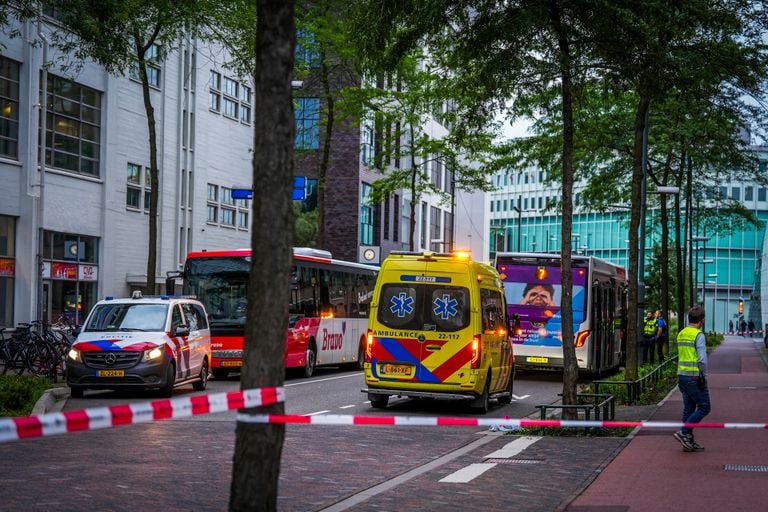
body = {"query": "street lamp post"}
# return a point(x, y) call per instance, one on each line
point(519, 210)
point(698, 239)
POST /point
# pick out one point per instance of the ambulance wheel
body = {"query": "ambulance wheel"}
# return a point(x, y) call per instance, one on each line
point(170, 379)
point(311, 360)
point(378, 401)
point(507, 398)
point(360, 357)
point(200, 385)
point(480, 404)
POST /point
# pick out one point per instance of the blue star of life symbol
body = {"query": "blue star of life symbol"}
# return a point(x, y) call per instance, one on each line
point(402, 304)
point(445, 308)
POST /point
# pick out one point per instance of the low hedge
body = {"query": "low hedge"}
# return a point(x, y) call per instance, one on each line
point(18, 394)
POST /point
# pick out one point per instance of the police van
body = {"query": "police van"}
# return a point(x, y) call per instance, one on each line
point(438, 328)
point(141, 343)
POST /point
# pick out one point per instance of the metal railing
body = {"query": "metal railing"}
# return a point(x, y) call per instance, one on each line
point(599, 406)
point(635, 388)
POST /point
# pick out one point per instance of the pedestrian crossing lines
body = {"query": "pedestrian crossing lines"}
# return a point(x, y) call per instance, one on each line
point(469, 473)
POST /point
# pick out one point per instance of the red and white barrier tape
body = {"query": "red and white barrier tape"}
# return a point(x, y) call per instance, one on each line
point(12, 429)
point(447, 421)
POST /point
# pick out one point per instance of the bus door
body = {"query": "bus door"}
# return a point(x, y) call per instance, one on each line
point(598, 356)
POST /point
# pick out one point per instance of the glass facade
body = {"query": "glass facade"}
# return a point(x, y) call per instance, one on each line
point(736, 255)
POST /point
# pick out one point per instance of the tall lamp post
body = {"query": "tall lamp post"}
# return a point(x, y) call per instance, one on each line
point(704, 263)
point(698, 239)
point(519, 210)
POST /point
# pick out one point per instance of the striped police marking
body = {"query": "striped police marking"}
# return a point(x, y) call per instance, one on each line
point(13, 429)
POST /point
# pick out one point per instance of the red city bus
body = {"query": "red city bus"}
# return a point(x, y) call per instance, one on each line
point(330, 300)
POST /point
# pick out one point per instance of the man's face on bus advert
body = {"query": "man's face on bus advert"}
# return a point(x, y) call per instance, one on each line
point(538, 295)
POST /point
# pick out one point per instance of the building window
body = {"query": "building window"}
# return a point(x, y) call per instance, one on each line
point(306, 53)
point(230, 97)
point(366, 215)
point(224, 211)
point(73, 128)
point(748, 194)
point(7, 269)
point(434, 228)
point(437, 173)
point(153, 67)
point(396, 219)
point(761, 194)
point(736, 193)
point(307, 115)
point(138, 188)
point(9, 116)
point(423, 225)
point(386, 218)
point(448, 230)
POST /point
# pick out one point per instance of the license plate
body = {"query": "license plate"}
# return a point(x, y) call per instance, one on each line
point(231, 363)
point(534, 359)
point(111, 373)
point(396, 369)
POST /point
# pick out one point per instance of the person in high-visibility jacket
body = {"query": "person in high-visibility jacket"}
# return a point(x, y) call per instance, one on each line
point(692, 377)
point(649, 337)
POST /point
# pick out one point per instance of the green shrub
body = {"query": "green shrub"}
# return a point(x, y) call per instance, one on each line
point(18, 394)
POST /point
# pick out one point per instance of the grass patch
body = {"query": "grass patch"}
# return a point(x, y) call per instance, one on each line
point(18, 394)
point(573, 431)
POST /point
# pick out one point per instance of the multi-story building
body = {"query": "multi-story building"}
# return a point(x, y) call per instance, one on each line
point(82, 217)
point(726, 265)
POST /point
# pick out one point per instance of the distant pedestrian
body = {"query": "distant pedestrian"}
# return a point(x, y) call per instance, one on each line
point(661, 335)
point(649, 337)
point(751, 328)
point(743, 328)
point(692, 377)
point(730, 326)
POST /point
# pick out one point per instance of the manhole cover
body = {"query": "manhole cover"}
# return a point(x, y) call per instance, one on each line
point(746, 467)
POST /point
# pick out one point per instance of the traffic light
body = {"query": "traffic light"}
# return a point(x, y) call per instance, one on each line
point(741, 307)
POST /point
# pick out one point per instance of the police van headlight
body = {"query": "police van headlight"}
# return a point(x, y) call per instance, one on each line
point(74, 355)
point(152, 354)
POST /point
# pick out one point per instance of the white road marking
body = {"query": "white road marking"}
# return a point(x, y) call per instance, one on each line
point(511, 449)
point(304, 382)
point(346, 406)
point(519, 397)
point(314, 413)
point(468, 473)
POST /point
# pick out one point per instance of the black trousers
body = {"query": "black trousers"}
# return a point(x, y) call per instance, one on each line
point(649, 349)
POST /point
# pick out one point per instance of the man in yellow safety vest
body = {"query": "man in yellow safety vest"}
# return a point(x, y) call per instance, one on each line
point(649, 337)
point(692, 377)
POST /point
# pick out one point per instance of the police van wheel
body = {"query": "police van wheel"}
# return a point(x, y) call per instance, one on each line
point(378, 401)
point(201, 384)
point(170, 379)
point(480, 404)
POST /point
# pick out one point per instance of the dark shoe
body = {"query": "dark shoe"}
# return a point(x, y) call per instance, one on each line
point(683, 440)
point(695, 447)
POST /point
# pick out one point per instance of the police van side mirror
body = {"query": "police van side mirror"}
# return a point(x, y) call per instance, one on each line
point(181, 330)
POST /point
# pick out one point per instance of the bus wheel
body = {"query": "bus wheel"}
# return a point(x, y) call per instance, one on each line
point(378, 401)
point(360, 357)
point(309, 365)
point(507, 398)
point(480, 404)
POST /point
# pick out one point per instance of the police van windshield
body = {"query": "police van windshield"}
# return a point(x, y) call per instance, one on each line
point(424, 307)
point(128, 317)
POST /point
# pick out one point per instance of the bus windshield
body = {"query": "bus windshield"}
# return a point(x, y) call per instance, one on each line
point(221, 284)
point(534, 294)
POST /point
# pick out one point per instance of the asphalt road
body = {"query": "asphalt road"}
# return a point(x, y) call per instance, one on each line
point(186, 464)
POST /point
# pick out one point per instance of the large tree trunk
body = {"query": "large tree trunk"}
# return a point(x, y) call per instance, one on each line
point(679, 241)
point(570, 366)
point(633, 330)
point(154, 172)
point(258, 447)
point(665, 253)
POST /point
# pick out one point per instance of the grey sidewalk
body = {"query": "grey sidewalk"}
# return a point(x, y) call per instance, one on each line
point(653, 473)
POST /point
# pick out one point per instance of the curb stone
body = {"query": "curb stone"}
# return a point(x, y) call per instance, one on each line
point(52, 400)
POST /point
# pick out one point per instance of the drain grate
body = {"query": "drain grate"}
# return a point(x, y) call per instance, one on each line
point(746, 467)
point(513, 461)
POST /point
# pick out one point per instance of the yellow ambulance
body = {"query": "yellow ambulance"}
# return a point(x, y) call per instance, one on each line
point(438, 328)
